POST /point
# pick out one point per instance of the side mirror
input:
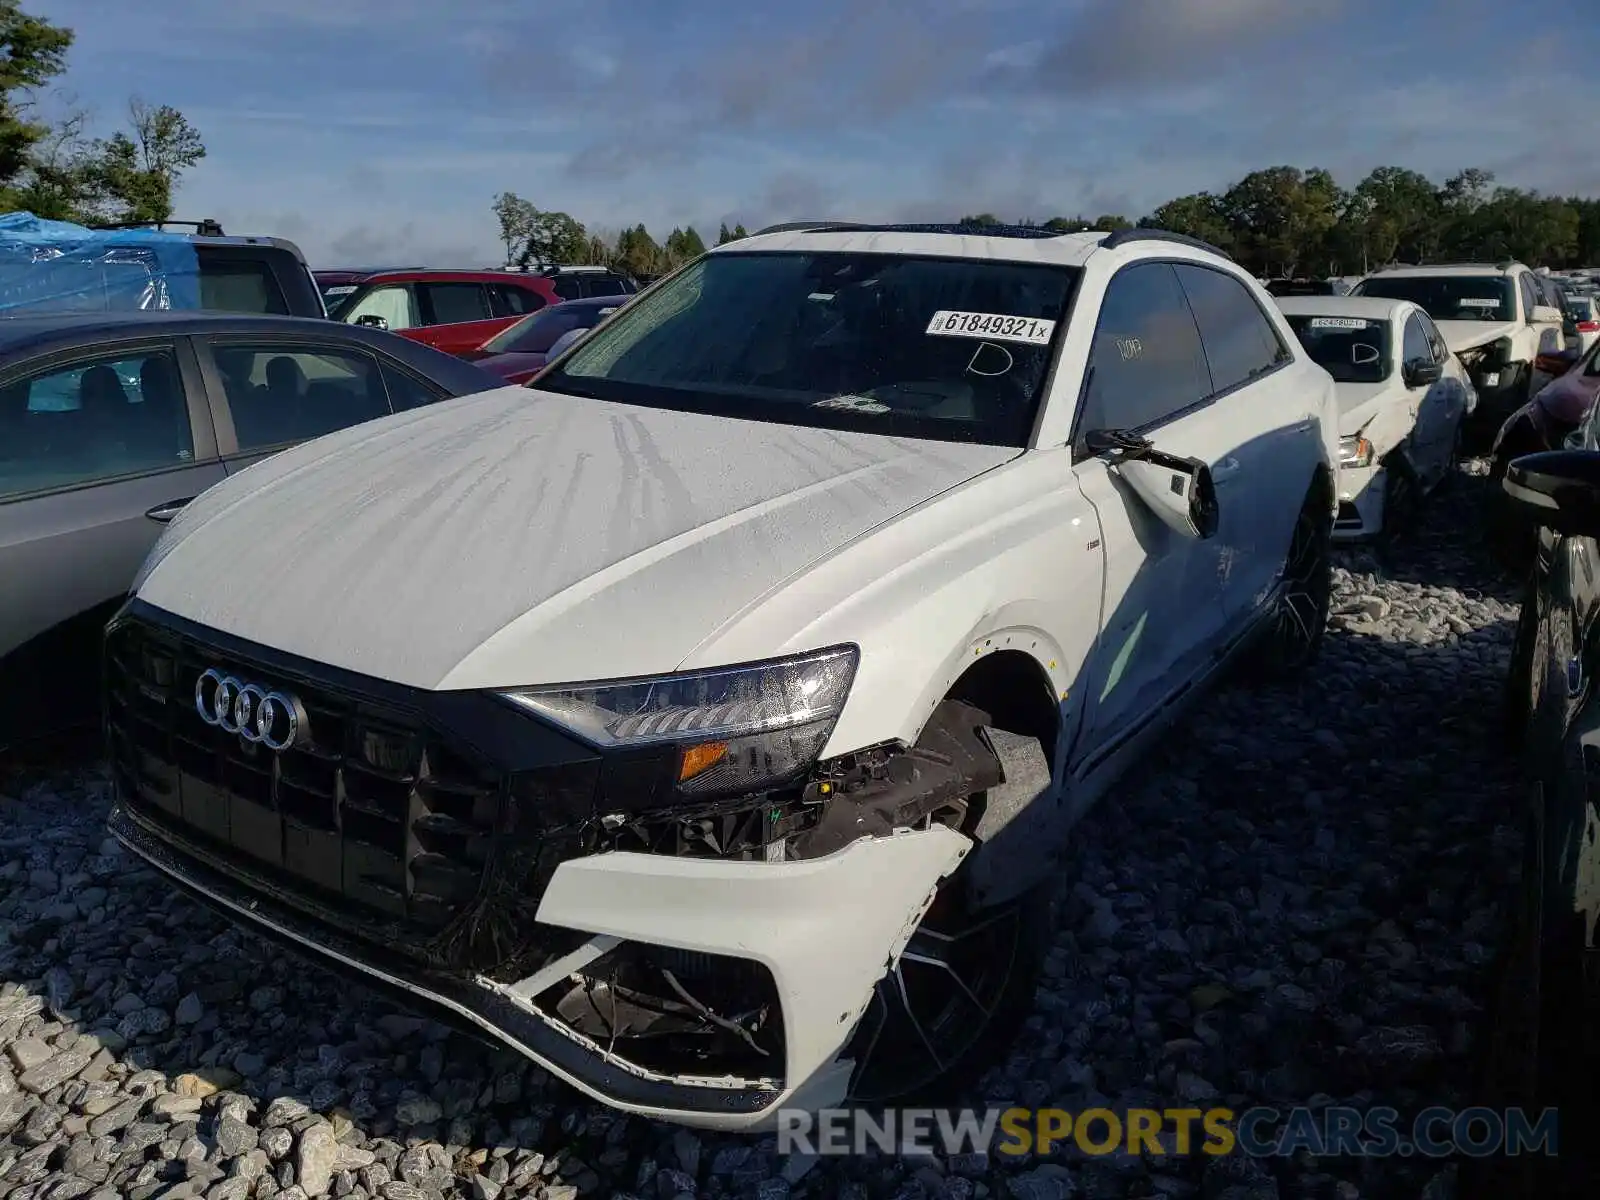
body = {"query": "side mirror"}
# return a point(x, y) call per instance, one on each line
point(1420, 372)
point(1558, 489)
point(570, 337)
point(372, 321)
point(1180, 491)
point(1542, 313)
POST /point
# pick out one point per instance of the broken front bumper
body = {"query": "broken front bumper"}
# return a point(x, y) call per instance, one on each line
point(826, 929)
point(427, 844)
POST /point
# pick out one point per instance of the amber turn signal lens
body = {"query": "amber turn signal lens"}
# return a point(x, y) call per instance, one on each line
point(696, 759)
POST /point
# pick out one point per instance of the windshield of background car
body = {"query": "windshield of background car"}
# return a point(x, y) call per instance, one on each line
point(1450, 297)
point(1351, 349)
point(535, 334)
point(953, 349)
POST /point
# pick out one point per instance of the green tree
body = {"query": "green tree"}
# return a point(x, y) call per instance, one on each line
point(637, 252)
point(1281, 216)
point(553, 239)
point(35, 52)
point(515, 217)
point(739, 231)
point(985, 218)
point(1201, 215)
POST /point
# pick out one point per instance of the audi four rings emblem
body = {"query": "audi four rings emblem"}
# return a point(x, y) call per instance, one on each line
point(272, 719)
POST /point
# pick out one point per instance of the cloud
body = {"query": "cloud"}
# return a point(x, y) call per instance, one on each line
point(385, 127)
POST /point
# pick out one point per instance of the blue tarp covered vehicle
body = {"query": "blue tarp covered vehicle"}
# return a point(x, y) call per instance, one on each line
point(59, 267)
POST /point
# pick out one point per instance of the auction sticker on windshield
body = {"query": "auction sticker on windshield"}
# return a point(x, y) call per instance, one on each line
point(993, 326)
point(1337, 323)
point(1477, 302)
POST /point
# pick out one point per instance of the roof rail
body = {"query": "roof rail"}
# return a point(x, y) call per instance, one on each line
point(209, 227)
point(809, 227)
point(1123, 236)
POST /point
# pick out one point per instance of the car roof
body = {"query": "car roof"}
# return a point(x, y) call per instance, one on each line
point(1007, 243)
point(1450, 269)
point(450, 275)
point(18, 334)
point(1371, 308)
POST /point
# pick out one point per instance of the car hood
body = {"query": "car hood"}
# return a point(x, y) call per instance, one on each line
point(1464, 335)
point(1359, 403)
point(511, 363)
point(518, 537)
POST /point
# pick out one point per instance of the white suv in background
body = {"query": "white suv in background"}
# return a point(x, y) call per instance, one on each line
point(707, 722)
point(1498, 319)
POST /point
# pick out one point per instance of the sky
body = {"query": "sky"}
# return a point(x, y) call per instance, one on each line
point(379, 131)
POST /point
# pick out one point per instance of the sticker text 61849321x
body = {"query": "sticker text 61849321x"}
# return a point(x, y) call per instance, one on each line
point(996, 327)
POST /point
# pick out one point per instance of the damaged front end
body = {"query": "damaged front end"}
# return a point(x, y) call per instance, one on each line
point(691, 951)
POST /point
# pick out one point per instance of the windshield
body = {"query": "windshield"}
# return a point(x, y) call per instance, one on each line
point(954, 349)
point(1351, 349)
point(1449, 297)
point(537, 332)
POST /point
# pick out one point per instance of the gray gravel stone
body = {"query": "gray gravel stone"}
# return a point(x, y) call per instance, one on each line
point(1296, 898)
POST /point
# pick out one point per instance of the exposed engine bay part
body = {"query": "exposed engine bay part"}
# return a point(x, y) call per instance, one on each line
point(874, 793)
point(679, 1011)
point(1022, 826)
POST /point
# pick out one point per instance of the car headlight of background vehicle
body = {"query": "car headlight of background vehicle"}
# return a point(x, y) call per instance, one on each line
point(1355, 451)
point(732, 729)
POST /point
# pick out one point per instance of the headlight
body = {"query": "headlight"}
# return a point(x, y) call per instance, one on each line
point(734, 728)
point(1355, 451)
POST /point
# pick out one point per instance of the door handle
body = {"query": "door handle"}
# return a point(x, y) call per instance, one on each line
point(1225, 469)
point(165, 512)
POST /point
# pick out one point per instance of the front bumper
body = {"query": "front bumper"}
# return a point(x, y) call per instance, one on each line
point(827, 929)
point(1361, 492)
point(429, 847)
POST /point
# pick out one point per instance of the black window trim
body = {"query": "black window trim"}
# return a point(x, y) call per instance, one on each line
point(222, 409)
point(202, 431)
point(1439, 347)
point(1292, 356)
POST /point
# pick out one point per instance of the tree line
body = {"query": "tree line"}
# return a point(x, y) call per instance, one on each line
point(59, 168)
point(1276, 221)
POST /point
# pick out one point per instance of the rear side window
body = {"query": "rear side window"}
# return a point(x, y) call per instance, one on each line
point(568, 287)
point(1146, 363)
point(1416, 343)
point(406, 391)
point(604, 285)
point(518, 301)
point(98, 419)
point(453, 303)
point(1239, 341)
point(234, 285)
point(283, 393)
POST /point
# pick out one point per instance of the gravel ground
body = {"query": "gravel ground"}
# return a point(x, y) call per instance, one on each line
point(1298, 902)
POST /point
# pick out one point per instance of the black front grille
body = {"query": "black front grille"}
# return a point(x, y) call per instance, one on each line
point(373, 814)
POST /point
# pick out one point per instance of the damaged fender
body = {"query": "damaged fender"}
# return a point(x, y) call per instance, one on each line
point(826, 928)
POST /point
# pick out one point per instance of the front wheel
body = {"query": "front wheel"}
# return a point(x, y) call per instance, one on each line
point(956, 996)
point(1292, 639)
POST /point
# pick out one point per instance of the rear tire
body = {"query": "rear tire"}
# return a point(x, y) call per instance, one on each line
point(1292, 641)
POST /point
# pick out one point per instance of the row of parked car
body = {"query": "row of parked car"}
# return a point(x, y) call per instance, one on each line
point(706, 719)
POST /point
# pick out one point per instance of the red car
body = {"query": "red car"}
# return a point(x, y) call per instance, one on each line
point(520, 352)
point(458, 311)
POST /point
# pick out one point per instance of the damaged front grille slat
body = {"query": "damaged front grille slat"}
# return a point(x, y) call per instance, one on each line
point(368, 808)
